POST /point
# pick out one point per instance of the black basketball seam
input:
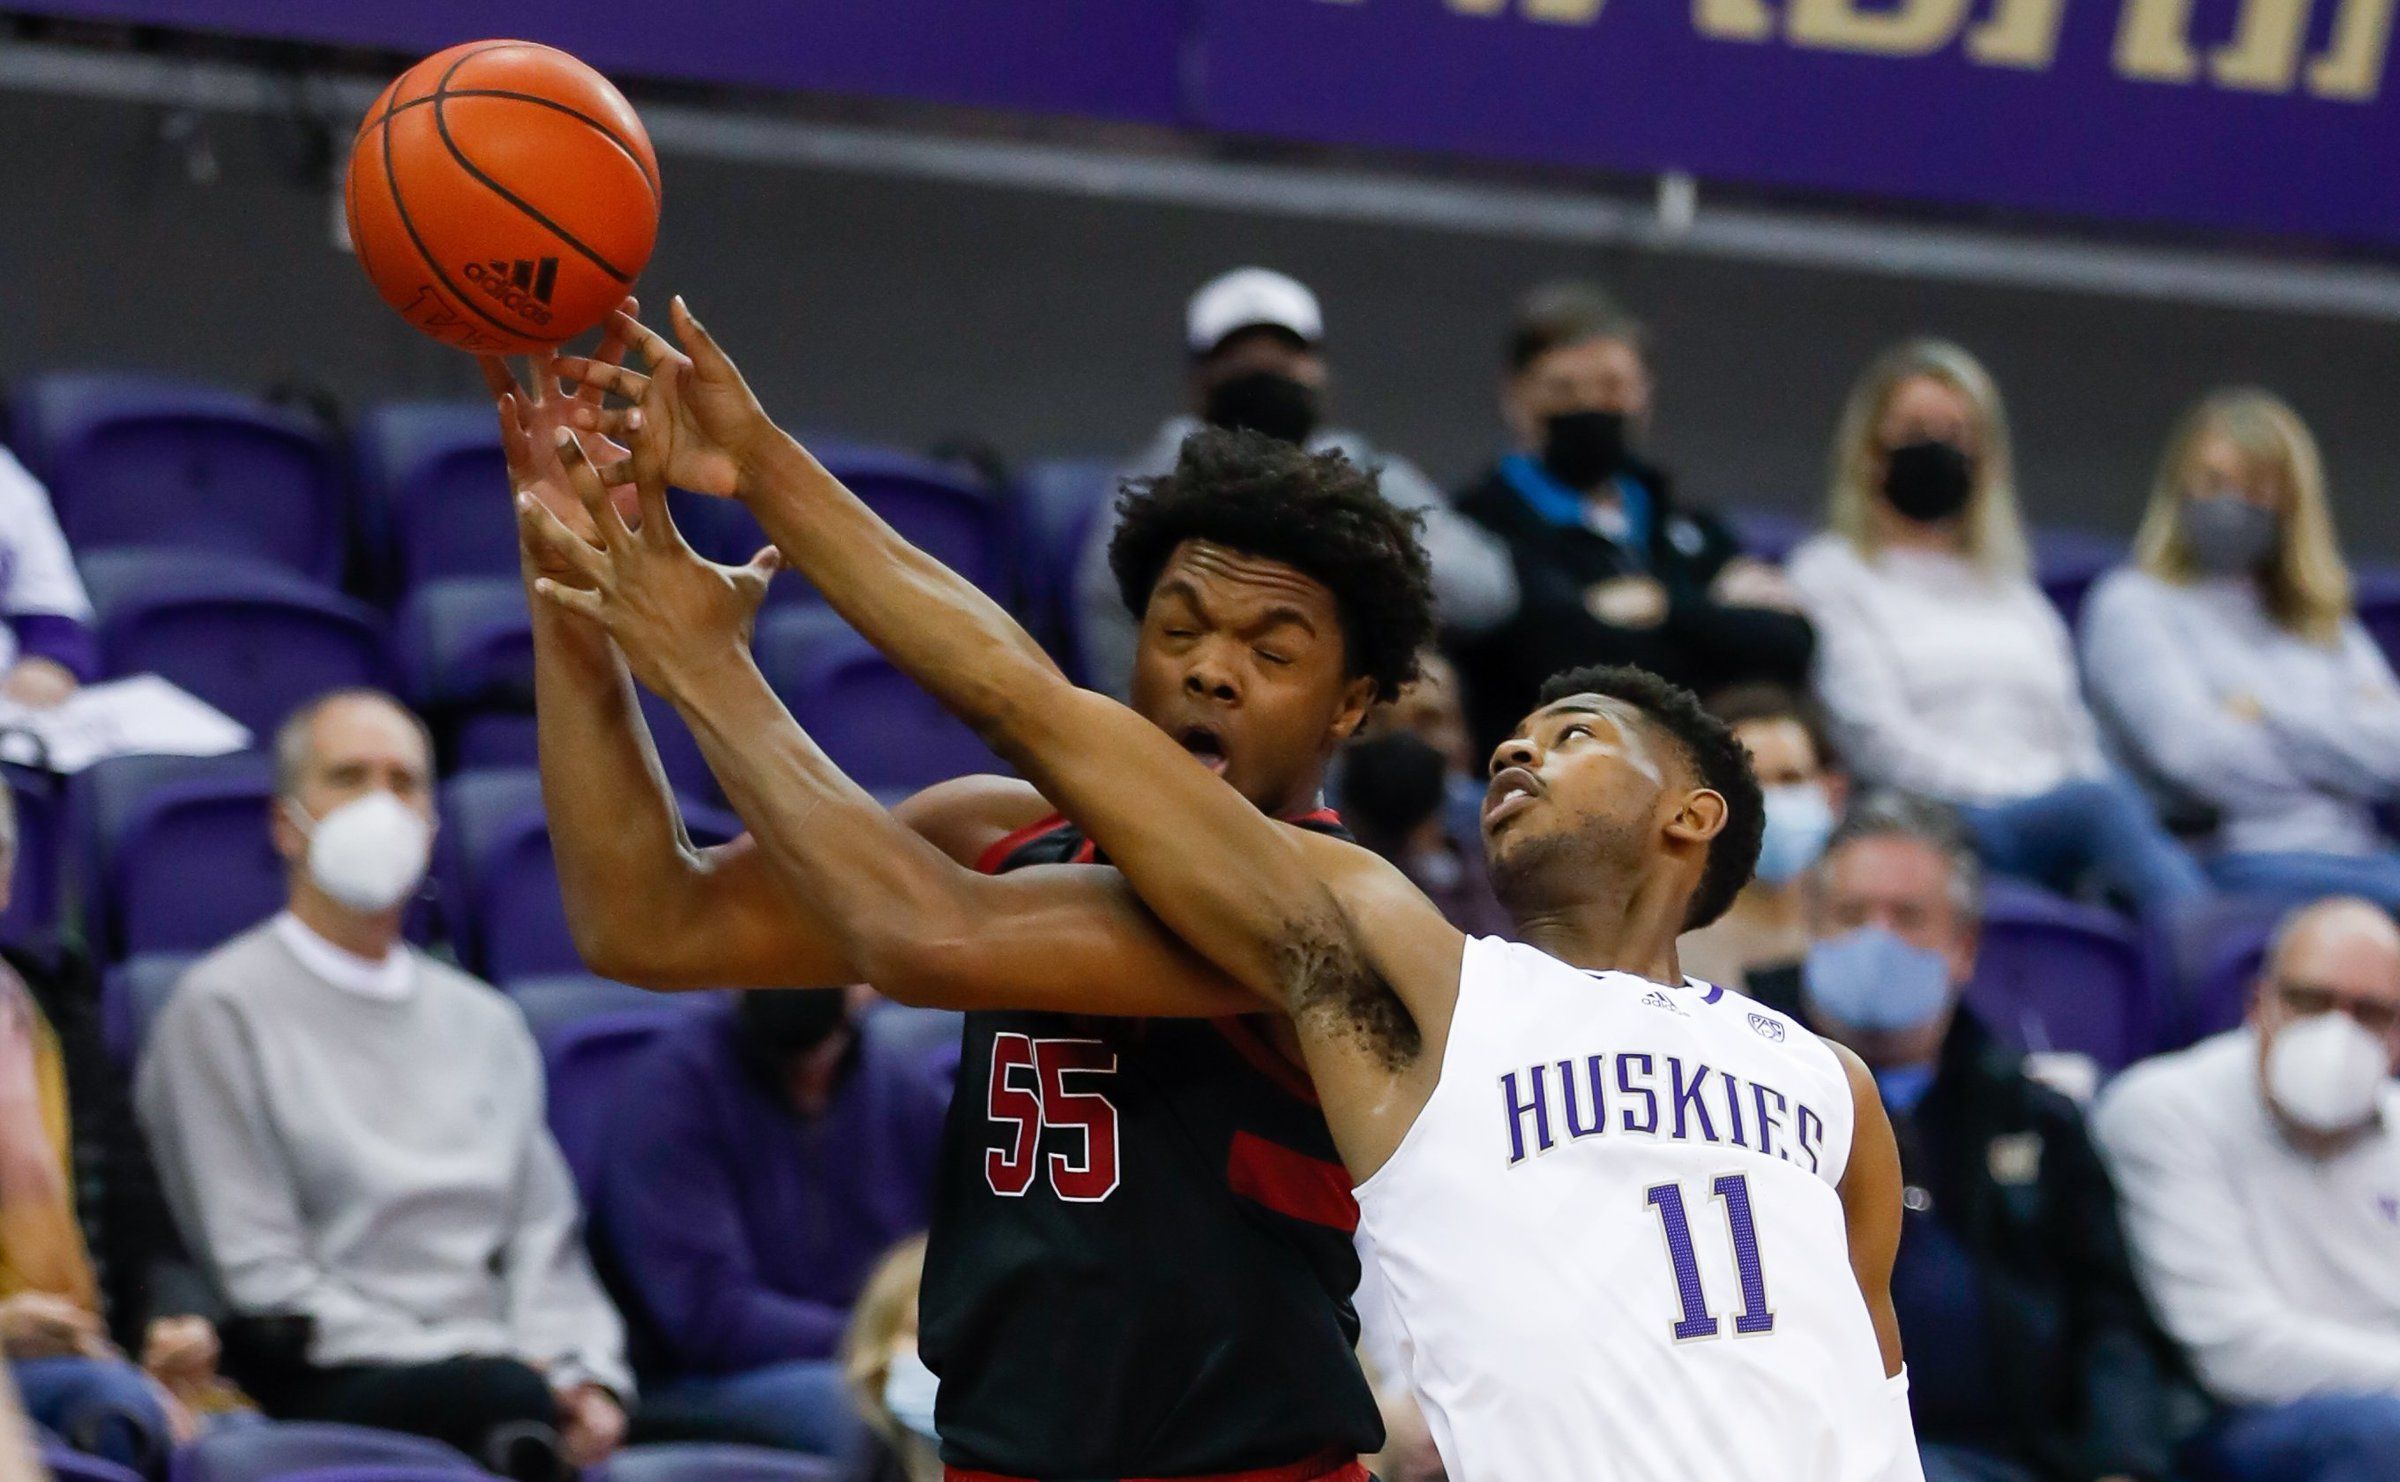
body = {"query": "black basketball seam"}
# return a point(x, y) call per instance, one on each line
point(442, 126)
point(392, 108)
point(391, 179)
point(595, 125)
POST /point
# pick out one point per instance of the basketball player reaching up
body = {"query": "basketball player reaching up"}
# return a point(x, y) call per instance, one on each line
point(1141, 1261)
point(1634, 1227)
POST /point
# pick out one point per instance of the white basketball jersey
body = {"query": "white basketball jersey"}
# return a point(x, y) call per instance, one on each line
point(1613, 1244)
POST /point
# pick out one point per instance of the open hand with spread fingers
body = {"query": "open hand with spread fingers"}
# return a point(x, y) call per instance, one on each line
point(693, 422)
point(676, 616)
point(530, 418)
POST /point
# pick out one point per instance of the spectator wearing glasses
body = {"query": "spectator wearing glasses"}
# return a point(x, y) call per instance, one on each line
point(1944, 669)
point(1256, 341)
point(2261, 1178)
point(1611, 567)
point(2031, 1357)
point(2230, 665)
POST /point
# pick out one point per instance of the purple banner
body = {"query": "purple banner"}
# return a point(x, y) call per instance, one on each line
point(1114, 59)
point(2264, 115)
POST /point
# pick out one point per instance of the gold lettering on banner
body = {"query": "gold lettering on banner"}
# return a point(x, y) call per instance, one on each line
point(1734, 20)
point(2154, 41)
point(2264, 55)
point(1911, 28)
point(1561, 12)
point(2022, 33)
point(2352, 67)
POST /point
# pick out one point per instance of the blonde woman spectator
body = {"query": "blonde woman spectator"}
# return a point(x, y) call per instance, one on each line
point(2228, 665)
point(893, 1388)
point(1942, 667)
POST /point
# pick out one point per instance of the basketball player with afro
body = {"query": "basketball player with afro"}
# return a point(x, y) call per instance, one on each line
point(1141, 1261)
point(1634, 1227)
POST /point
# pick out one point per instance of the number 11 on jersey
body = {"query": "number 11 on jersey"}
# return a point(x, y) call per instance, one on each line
point(1733, 1190)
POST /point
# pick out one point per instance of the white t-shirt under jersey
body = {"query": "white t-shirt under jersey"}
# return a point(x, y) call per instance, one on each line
point(1614, 1246)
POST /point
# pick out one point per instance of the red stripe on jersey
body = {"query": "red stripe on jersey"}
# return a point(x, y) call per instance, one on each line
point(990, 860)
point(1291, 1183)
point(1334, 1468)
point(1243, 1034)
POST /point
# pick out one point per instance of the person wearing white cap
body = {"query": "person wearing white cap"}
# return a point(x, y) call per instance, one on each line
point(1256, 338)
point(2260, 1174)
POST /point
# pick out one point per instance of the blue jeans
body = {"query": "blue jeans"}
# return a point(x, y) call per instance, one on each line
point(2103, 827)
point(104, 1407)
point(2300, 878)
point(799, 1406)
point(2324, 1438)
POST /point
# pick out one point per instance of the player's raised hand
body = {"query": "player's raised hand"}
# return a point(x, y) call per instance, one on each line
point(532, 414)
point(677, 617)
point(694, 422)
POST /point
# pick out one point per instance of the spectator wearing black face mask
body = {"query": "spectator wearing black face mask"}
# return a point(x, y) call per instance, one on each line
point(1256, 341)
point(1409, 792)
point(758, 1161)
point(1612, 570)
point(1944, 669)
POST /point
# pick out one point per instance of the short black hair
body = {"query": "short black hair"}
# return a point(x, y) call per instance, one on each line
point(1720, 762)
point(1318, 513)
point(1557, 315)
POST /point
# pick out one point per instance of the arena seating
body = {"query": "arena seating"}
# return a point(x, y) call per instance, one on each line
point(433, 502)
point(141, 461)
point(712, 1463)
point(875, 724)
point(73, 1466)
point(265, 1453)
point(2054, 975)
point(581, 1061)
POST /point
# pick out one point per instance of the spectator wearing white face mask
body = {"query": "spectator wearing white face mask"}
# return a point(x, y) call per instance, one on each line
point(352, 1137)
point(1767, 926)
point(2231, 669)
point(2261, 1179)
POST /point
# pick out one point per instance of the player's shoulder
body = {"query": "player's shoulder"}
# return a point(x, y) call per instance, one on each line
point(966, 817)
point(1782, 1031)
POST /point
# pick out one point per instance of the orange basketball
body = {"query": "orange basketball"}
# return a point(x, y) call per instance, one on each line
point(503, 196)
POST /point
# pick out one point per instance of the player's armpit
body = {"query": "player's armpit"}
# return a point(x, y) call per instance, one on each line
point(1871, 1191)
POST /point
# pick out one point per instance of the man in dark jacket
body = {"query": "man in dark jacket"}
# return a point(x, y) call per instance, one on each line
point(1610, 569)
point(2031, 1355)
point(759, 1161)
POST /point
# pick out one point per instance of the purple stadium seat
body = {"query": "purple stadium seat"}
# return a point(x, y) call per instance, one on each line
point(498, 883)
point(713, 1463)
point(437, 490)
point(249, 638)
point(2378, 593)
point(131, 995)
point(267, 1453)
point(2054, 975)
point(582, 1061)
point(1770, 534)
point(951, 515)
point(381, 1472)
point(2067, 560)
point(140, 461)
point(2215, 952)
point(175, 851)
point(552, 1003)
point(68, 1465)
point(1058, 502)
point(875, 724)
point(37, 894)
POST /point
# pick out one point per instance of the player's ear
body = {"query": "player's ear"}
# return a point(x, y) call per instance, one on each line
point(1700, 817)
point(1358, 697)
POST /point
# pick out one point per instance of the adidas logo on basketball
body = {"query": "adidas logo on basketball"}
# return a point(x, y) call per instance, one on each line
point(523, 286)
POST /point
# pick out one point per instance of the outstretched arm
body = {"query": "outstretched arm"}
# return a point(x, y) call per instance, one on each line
point(902, 915)
point(1278, 910)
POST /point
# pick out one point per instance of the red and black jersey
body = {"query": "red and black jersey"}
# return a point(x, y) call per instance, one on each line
point(1140, 1262)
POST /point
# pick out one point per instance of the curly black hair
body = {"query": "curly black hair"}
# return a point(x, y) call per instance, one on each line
point(1721, 763)
point(1316, 512)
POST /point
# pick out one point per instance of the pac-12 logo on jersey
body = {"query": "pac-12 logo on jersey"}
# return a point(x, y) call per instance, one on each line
point(1767, 1027)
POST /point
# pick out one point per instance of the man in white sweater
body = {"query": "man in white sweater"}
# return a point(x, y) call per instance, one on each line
point(352, 1137)
point(2260, 1178)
